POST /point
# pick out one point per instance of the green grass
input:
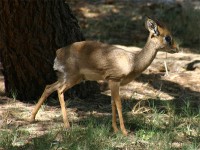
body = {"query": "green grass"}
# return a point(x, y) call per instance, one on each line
point(166, 126)
point(170, 127)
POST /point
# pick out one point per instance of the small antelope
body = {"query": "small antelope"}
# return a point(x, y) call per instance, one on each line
point(90, 60)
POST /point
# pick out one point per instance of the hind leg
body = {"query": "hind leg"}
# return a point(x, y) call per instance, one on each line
point(61, 91)
point(48, 90)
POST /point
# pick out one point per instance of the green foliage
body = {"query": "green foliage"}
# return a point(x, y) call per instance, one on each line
point(6, 139)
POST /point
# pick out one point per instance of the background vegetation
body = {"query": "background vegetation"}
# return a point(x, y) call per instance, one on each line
point(120, 22)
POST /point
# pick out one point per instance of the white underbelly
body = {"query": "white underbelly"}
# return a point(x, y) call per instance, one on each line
point(91, 75)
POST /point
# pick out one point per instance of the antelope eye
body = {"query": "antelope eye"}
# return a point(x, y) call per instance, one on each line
point(168, 39)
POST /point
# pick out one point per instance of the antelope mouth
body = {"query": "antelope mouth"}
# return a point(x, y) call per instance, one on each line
point(175, 50)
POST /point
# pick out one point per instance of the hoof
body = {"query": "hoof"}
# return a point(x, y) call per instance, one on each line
point(31, 119)
point(116, 130)
point(125, 133)
point(67, 126)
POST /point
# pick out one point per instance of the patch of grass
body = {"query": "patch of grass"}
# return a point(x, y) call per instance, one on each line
point(168, 125)
point(92, 133)
point(13, 139)
point(164, 128)
point(6, 139)
point(14, 94)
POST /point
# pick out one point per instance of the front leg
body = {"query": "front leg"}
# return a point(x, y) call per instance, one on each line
point(114, 87)
point(114, 123)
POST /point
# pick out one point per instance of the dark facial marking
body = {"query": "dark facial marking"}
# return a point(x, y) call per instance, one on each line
point(168, 39)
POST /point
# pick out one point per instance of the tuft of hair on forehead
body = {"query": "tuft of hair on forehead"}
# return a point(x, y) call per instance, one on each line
point(161, 24)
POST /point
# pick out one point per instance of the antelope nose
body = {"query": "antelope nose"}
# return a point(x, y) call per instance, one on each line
point(175, 48)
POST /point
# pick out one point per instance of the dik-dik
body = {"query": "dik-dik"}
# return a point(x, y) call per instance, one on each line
point(91, 60)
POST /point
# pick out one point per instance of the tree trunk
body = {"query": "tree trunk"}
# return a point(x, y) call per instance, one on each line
point(30, 33)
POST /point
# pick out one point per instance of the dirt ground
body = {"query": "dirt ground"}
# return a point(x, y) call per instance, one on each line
point(182, 82)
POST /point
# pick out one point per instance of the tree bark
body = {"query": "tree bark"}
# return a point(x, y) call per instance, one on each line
point(30, 33)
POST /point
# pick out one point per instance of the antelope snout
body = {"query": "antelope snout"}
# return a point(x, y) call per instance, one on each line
point(174, 48)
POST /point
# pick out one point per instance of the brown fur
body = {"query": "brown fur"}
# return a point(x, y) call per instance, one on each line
point(91, 60)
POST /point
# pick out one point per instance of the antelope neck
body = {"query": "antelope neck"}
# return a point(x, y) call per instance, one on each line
point(145, 57)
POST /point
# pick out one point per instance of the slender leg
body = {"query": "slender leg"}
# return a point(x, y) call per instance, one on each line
point(48, 90)
point(114, 123)
point(64, 111)
point(61, 91)
point(114, 87)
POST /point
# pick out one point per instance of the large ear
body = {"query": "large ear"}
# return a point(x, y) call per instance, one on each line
point(152, 26)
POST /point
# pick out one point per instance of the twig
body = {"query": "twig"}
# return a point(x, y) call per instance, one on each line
point(166, 69)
